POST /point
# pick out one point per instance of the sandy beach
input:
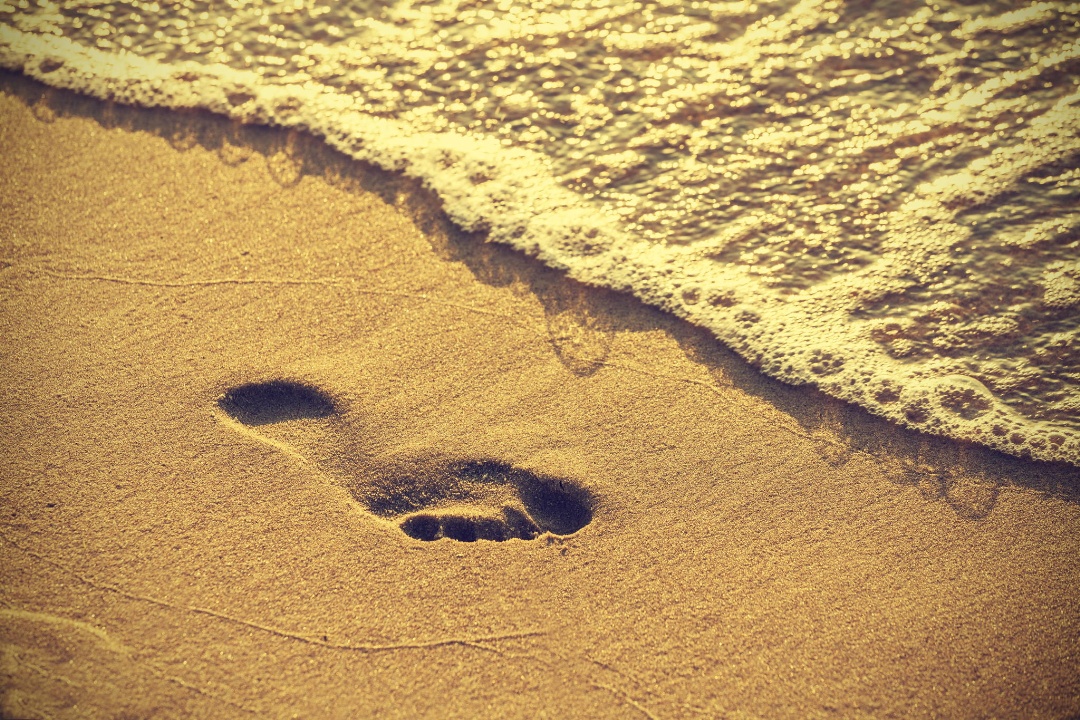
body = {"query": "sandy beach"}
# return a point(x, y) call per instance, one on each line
point(746, 549)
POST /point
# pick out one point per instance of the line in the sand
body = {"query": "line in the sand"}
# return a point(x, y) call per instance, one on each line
point(113, 645)
point(191, 283)
point(625, 698)
point(319, 282)
point(473, 642)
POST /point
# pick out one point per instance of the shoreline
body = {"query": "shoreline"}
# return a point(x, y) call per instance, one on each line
point(504, 191)
point(740, 524)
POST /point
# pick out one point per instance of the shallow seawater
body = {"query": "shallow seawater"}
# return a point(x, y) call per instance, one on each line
point(879, 198)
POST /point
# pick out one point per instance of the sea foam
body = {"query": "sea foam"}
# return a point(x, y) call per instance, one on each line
point(877, 200)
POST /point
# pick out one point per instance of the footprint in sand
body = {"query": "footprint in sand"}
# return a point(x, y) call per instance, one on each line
point(43, 109)
point(427, 496)
point(285, 163)
point(233, 149)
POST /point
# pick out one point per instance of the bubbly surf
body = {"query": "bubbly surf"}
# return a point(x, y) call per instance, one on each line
point(879, 199)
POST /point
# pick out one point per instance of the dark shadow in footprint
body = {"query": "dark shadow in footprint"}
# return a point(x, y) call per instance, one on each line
point(275, 401)
point(512, 524)
point(556, 505)
point(475, 500)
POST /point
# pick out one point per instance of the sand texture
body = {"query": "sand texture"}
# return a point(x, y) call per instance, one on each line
point(245, 382)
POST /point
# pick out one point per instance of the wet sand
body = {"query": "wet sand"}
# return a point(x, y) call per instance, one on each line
point(752, 550)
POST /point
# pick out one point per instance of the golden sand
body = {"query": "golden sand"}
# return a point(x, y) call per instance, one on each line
point(755, 550)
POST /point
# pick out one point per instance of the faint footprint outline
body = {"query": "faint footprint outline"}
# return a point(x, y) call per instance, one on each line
point(428, 496)
point(285, 163)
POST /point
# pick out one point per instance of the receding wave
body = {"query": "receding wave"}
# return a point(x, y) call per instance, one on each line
point(878, 198)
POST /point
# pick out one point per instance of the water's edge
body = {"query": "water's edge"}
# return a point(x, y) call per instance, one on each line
point(510, 195)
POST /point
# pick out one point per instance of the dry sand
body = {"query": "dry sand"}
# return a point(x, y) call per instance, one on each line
point(755, 550)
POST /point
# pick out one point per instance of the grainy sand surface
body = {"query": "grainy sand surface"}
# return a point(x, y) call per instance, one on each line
point(754, 550)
